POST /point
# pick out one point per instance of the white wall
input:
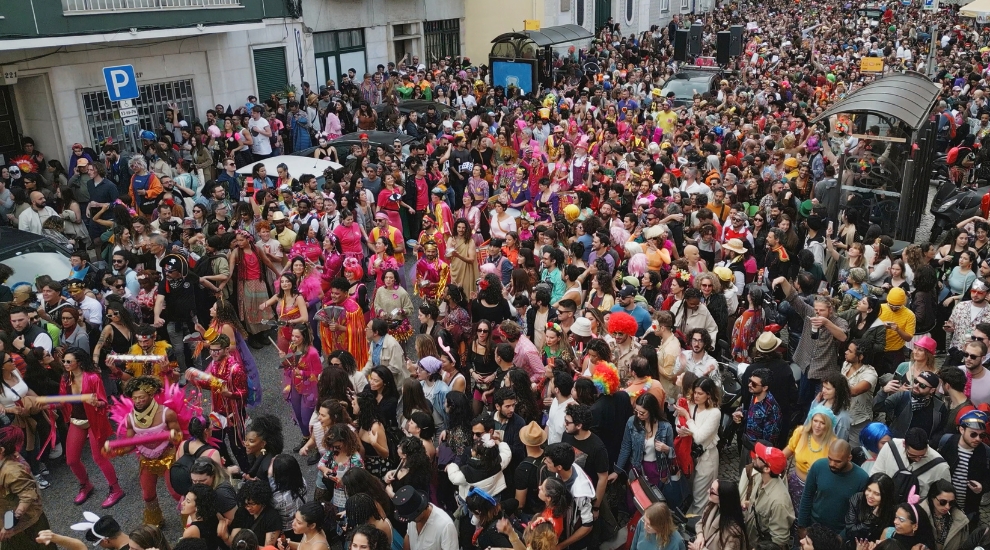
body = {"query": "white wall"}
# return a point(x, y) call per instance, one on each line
point(376, 17)
point(49, 92)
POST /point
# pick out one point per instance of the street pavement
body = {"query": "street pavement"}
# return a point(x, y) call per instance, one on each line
point(129, 512)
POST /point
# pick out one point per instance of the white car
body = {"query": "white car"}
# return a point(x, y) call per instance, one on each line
point(297, 166)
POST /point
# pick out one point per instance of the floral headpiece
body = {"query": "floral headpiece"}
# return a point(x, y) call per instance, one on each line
point(555, 327)
point(681, 274)
point(488, 441)
point(245, 234)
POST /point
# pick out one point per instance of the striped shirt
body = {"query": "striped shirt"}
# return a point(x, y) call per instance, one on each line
point(960, 476)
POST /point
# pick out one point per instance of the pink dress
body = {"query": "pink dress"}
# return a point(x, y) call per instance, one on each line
point(389, 206)
point(350, 240)
point(387, 263)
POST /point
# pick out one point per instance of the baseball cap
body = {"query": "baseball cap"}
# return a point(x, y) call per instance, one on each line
point(772, 456)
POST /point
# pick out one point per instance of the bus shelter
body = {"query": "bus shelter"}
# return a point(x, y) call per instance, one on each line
point(891, 170)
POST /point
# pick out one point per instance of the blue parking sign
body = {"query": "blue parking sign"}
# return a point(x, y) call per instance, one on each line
point(121, 82)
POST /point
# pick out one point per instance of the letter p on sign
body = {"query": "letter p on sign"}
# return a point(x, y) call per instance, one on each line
point(121, 82)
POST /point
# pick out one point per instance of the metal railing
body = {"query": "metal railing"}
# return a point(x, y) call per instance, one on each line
point(103, 6)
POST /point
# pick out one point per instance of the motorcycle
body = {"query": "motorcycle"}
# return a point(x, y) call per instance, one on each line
point(952, 204)
point(957, 200)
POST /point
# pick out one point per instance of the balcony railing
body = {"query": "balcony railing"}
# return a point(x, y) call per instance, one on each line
point(86, 7)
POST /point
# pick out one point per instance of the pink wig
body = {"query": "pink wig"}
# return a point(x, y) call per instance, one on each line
point(637, 265)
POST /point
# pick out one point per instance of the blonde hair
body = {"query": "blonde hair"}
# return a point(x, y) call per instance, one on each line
point(540, 536)
point(806, 430)
point(425, 347)
point(658, 514)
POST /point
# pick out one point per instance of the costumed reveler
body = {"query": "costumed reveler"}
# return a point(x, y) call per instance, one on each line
point(150, 409)
point(159, 357)
point(342, 323)
point(358, 291)
point(228, 385)
point(87, 419)
point(301, 368)
point(394, 306)
point(432, 274)
point(223, 320)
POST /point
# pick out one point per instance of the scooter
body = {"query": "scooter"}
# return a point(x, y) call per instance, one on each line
point(952, 204)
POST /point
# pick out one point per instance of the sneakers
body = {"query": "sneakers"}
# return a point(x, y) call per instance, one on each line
point(56, 451)
point(42, 482)
point(115, 495)
point(43, 469)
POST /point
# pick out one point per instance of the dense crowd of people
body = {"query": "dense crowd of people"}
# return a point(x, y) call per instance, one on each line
point(520, 330)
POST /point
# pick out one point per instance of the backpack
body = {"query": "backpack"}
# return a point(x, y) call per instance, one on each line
point(905, 479)
point(179, 474)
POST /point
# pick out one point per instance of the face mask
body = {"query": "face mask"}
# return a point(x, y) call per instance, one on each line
point(474, 518)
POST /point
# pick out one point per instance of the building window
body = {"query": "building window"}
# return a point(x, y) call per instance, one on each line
point(84, 7)
point(443, 38)
point(580, 12)
point(338, 51)
point(407, 40)
point(629, 11)
point(664, 6)
point(270, 71)
point(103, 119)
point(684, 4)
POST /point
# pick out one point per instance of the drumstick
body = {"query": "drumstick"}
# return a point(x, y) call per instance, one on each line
point(272, 341)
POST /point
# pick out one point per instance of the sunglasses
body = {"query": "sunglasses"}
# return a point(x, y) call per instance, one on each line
point(945, 501)
point(482, 330)
point(972, 356)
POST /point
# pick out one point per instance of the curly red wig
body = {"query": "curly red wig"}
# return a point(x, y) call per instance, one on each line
point(622, 322)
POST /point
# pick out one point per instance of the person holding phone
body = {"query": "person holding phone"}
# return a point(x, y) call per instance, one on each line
point(23, 516)
point(344, 454)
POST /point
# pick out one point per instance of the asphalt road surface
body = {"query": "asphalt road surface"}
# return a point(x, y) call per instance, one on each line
point(129, 512)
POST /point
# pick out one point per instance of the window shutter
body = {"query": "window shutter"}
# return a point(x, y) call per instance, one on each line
point(270, 71)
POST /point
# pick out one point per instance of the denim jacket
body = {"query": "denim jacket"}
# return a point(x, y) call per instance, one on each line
point(632, 451)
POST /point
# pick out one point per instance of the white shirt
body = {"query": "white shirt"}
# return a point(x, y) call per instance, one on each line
point(466, 102)
point(555, 420)
point(686, 361)
point(32, 221)
point(262, 145)
point(91, 309)
point(438, 532)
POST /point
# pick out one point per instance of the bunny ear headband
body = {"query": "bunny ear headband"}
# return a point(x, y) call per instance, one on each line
point(913, 499)
point(88, 525)
point(446, 349)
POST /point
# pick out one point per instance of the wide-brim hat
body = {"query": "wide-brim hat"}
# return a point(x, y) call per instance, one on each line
point(175, 262)
point(532, 435)
point(767, 342)
point(735, 245)
point(409, 503)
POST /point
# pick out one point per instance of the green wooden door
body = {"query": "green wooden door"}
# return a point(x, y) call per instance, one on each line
point(270, 71)
point(603, 10)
